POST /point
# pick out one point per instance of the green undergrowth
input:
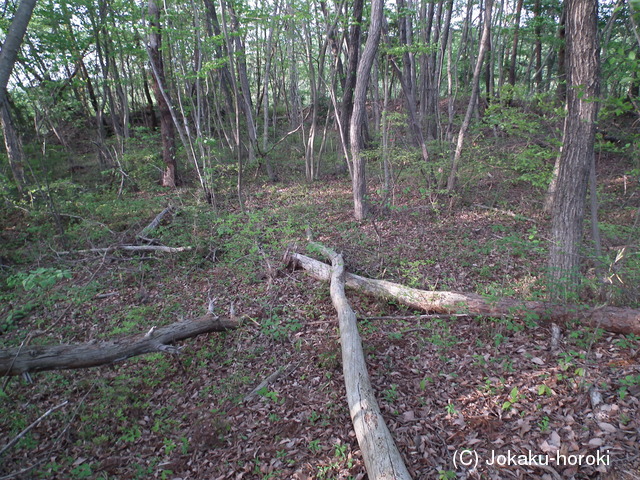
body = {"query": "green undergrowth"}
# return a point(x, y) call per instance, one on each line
point(419, 236)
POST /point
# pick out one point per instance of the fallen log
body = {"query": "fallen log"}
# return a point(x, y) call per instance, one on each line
point(16, 361)
point(381, 456)
point(613, 319)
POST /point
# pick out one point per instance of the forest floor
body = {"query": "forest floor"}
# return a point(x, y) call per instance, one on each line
point(444, 384)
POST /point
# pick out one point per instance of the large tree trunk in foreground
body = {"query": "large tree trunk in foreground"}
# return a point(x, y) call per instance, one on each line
point(8, 56)
point(16, 361)
point(381, 456)
point(619, 320)
point(577, 147)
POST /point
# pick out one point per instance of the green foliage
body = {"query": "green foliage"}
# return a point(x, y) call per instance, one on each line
point(446, 475)
point(543, 424)
point(269, 394)
point(629, 341)
point(514, 397)
point(520, 246)
point(280, 328)
point(534, 165)
point(83, 470)
point(391, 394)
point(544, 389)
point(451, 409)
point(314, 446)
point(40, 279)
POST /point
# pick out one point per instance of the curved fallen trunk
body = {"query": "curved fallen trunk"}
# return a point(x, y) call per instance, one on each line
point(16, 361)
point(613, 319)
point(381, 456)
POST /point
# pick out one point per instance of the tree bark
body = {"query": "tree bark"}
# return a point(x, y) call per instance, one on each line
point(614, 319)
point(16, 361)
point(8, 55)
point(577, 147)
point(346, 110)
point(12, 142)
point(537, 29)
point(131, 248)
point(158, 84)
point(514, 48)
point(561, 92)
point(360, 110)
point(381, 456)
point(412, 113)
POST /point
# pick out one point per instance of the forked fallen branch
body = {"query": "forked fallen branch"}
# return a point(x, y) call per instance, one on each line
point(16, 361)
point(613, 319)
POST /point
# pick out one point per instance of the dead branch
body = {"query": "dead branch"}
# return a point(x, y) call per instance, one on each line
point(26, 430)
point(517, 216)
point(154, 223)
point(16, 361)
point(414, 317)
point(381, 456)
point(268, 381)
point(614, 319)
point(131, 248)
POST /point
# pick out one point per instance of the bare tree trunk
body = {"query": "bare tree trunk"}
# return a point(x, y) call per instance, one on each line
point(359, 109)
point(426, 21)
point(12, 142)
point(486, 32)
point(433, 82)
point(265, 97)
point(386, 162)
point(514, 48)
point(245, 90)
point(537, 30)
point(8, 56)
point(561, 92)
point(237, 106)
point(158, 83)
point(577, 147)
point(346, 109)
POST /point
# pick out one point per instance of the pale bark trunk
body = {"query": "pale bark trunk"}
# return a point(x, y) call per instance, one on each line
point(265, 98)
point(346, 110)
point(514, 47)
point(12, 142)
point(561, 92)
point(537, 46)
point(381, 456)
